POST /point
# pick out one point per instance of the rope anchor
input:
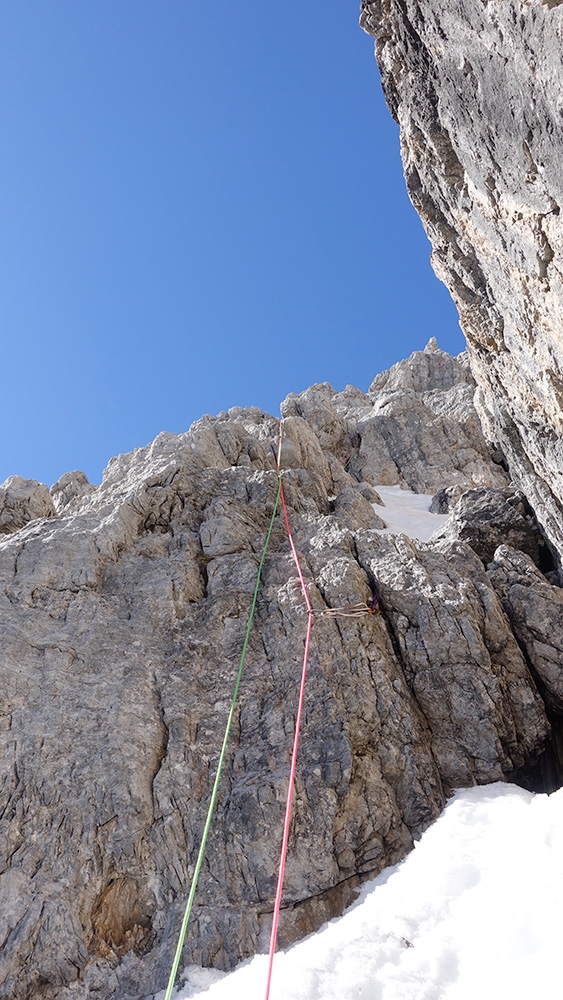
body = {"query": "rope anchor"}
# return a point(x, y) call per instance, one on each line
point(348, 611)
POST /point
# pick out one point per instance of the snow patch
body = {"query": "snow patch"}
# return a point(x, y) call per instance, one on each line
point(473, 911)
point(407, 513)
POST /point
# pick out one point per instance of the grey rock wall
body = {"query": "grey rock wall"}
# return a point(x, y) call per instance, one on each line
point(481, 516)
point(475, 86)
point(21, 501)
point(122, 621)
point(535, 611)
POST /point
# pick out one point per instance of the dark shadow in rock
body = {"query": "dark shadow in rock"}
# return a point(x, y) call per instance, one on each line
point(486, 518)
point(545, 775)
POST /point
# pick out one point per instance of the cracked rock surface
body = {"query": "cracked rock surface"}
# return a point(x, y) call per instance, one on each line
point(122, 619)
point(476, 89)
point(21, 501)
point(484, 517)
point(535, 611)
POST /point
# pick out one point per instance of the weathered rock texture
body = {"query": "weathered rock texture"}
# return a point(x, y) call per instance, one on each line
point(535, 611)
point(21, 501)
point(482, 516)
point(475, 86)
point(416, 427)
point(122, 622)
point(69, 488)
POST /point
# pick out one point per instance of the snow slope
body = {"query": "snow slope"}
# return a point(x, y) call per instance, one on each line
point(473, 913)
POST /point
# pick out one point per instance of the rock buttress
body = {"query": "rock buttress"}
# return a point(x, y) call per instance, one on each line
point(476, 89)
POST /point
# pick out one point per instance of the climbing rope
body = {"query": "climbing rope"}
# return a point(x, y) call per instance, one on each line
point(199, 862)
point(291, 784)
point(345, 611)
point(348, 457)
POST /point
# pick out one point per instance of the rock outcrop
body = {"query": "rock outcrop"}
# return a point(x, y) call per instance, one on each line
point(21, 501)
point(485, 517)
point(476, 89)
point(122, 620)
point(416, 427)
point(69, 490)
point(535, 611)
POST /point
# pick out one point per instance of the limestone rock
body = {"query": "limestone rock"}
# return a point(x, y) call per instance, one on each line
point(416, 427)
point(430, 370)
point(123, 624)
point(123, 620)
point(370, 494)
point(486, 518)
point(353, 510)
point(460, 658)
point(535, 610)
point(21, 501)
point(476, 90)
point(69, 489)
point(445, 499)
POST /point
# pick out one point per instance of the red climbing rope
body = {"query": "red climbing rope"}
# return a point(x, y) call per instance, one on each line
point(285, 838)
point(346, 611)
point(348, 457)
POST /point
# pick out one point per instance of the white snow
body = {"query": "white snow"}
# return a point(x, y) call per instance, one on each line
point(473, 913)
point(407, 512)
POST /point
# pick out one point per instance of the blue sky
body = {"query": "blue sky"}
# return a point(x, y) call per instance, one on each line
point(201, 206)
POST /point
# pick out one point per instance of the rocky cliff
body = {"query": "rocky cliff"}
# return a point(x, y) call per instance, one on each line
point(475, 86)
point(123, 609)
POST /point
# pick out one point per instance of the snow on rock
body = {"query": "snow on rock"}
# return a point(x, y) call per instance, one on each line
point(408, 513)
point(473, 911)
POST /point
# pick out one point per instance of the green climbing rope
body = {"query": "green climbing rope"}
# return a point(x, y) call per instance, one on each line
point(200, 856)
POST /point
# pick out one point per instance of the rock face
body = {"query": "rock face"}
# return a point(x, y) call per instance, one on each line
point(484, 518)
point(416, 427)
point(535, 611)
point(22, 501)
point(122, 621)
point(476, 89)
point(69, 490)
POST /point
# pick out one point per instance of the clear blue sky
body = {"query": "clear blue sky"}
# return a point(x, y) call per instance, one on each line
point(201, 206)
